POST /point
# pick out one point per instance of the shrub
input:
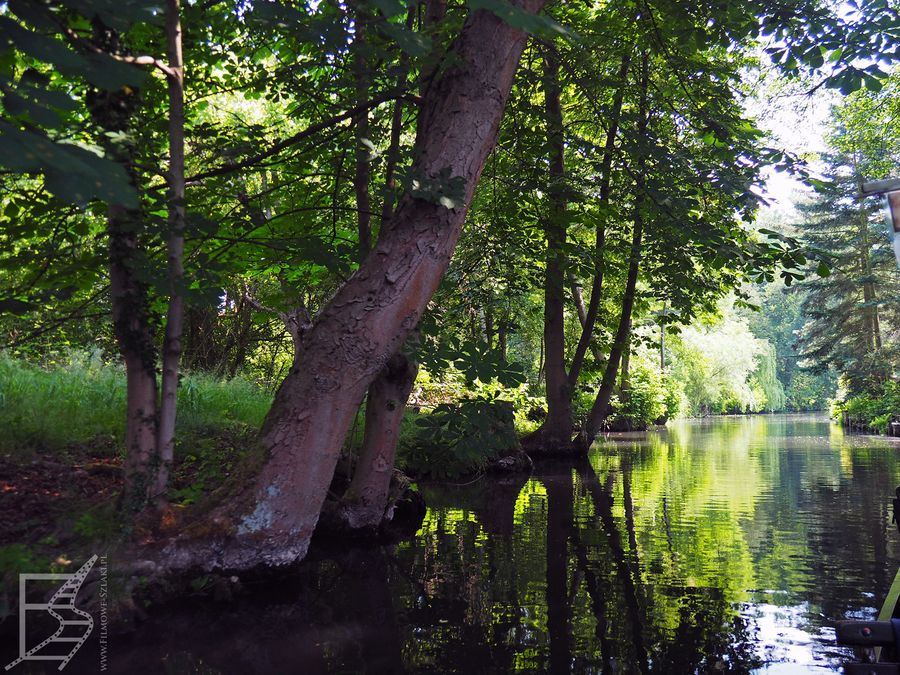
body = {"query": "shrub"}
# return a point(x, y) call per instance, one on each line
point(875, 410)
point(459, 438)
point(646, 400)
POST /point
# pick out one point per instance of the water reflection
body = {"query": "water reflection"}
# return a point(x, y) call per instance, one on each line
point(715, 546)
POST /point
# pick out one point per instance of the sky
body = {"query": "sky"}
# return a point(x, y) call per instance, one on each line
point(797, 123)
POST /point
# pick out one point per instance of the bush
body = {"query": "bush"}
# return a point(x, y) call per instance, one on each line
point(646, 400)
point(459, 438)
point(875, 410)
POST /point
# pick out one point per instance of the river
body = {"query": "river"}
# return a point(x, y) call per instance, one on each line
point(721, 545)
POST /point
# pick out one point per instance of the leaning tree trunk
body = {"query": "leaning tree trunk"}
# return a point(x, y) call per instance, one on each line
point(365, 502)
point(370, 317)
point(588, 315)
point(600, 409)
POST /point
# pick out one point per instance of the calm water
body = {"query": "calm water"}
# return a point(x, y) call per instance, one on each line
point(728, 545)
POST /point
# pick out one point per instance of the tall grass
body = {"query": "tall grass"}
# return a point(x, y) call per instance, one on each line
point(79, 398)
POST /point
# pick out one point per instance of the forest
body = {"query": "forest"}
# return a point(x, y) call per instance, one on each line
point(264, 265)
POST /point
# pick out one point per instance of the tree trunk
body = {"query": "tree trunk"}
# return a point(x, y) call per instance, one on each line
point(556, 432)
point(502, 331)
point(489, 323)
point(588, 316)
point(662, 341)
point(370, 316)
point(130, 314)
point(393, 152)
point(361, 177)
point(600, 410)
point(366, 500)
point(171, 353)
point(626, 365)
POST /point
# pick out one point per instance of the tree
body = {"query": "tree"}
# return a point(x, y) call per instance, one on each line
point(373, 312)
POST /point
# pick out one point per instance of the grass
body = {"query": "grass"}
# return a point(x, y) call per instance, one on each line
point(80, 399)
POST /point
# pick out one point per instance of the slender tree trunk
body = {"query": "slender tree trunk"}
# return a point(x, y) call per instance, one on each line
point(662, 341)
point(588, 316)
point(556, 432)
point(361, 177)
point(366, 500)
point(369, 318)
point(130, 304)
point(600, 410)
point(365, 505)
point(171, 353)
point(489, 323)
point(626, 365)
point(502, 330)
point(578, 300)
point(393, 153)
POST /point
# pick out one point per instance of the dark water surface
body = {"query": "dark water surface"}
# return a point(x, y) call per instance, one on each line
point(727, 545)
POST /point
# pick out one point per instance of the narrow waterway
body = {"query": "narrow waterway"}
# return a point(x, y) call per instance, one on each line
point(723, 545)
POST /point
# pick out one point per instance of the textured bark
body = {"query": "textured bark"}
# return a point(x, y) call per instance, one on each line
point(556, 432)
point(131, 325)
point(365, 504)
point(171, 353)
point(366, 500)
point(112, 112)
point(370, 316)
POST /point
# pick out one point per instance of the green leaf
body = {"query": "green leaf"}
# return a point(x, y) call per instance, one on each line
point(71, 172)
point(534, 24)
point(411, 42)
point(390, 8)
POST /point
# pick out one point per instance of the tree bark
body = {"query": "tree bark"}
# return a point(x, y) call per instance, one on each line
point(556, 432)
point(366, 500)
point(171, 353)
point(502, 331)
point(131, 325)
point(370, 316)
point(364, 505)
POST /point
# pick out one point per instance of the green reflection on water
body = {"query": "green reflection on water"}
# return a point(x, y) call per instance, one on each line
point(724, 545)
